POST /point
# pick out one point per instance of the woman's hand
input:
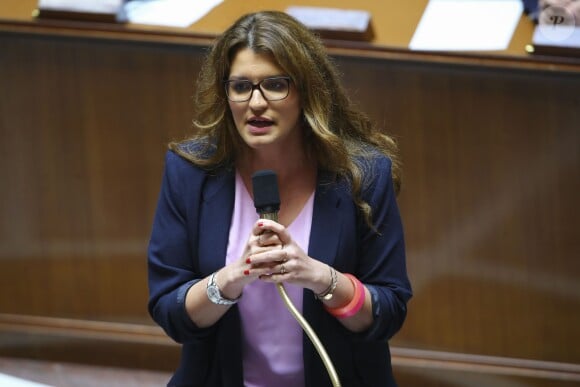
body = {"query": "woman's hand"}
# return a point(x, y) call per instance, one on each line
point(235, 276)
point(232, 278)
point(277, 258)
point(274, 257)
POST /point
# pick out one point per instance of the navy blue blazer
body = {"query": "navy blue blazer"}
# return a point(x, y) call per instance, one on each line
point(189, 241)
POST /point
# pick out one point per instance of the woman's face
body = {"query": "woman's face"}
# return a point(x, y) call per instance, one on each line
point(262, 123)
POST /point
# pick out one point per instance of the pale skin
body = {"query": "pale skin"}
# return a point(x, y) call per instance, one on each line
point(276, 144)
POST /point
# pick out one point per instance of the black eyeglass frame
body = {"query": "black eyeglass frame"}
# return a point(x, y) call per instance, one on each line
point(257, 86)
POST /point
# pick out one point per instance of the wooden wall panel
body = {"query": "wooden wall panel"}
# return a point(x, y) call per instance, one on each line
point(489, 201)
point(84, 128)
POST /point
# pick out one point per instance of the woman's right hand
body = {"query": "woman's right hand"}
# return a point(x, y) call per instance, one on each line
point(234, 277)
point(231, 279)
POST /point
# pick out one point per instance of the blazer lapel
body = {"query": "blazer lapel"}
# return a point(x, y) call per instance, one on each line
point(326, 222)
point(215, 218)
point(325, 234)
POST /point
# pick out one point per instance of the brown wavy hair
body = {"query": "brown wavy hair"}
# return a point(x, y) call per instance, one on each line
point(338, 134)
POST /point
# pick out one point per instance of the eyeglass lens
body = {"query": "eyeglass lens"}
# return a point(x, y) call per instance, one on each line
point(273, 89)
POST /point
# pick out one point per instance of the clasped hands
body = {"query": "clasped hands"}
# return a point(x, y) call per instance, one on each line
point(269, 252)
point(271, 255)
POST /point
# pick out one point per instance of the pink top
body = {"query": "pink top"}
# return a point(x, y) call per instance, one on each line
point(272, 338)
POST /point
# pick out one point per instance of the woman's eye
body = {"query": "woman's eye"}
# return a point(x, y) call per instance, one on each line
point(241, 86)
point(274, 84)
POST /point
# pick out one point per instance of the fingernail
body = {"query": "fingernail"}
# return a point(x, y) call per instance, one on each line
point(246, 272)
point(248, 260)
point(260, 224)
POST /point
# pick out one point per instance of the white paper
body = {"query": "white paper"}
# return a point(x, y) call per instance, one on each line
point(11, 381)
point(102, 6)
point(170, 13)
point(464, 25)
point(561, 36)
point(331, 18)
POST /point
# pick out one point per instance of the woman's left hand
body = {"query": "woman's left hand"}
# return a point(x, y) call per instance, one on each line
point(290, 264)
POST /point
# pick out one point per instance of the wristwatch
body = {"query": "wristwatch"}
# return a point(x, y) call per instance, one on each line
point(214, 294)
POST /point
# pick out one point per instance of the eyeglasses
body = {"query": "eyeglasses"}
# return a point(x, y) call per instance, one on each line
point(272, 89)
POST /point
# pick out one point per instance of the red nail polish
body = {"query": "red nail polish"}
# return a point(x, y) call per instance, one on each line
point(260, 224)
point(246, 272)
point(248, 260)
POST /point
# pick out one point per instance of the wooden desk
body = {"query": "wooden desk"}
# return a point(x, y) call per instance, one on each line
point(394, 24)
point(489, 200)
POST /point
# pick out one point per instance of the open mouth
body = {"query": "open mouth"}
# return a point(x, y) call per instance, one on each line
point(260, 123)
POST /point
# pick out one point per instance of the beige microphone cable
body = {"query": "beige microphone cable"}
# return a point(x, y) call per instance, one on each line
point(311, 334)
point(302, 321)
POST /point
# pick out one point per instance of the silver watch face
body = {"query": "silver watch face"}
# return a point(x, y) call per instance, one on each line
point(213, 294)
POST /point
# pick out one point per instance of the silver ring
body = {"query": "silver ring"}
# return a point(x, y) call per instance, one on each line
point(282, 269)
point(260, 240)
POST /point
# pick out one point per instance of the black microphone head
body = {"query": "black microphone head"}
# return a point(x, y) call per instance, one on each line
point(266, 195)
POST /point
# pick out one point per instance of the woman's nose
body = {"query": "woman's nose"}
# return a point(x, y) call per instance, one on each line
point(257, 99)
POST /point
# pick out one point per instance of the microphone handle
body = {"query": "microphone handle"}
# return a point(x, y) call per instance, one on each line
point(270, 216)
point(302, 321)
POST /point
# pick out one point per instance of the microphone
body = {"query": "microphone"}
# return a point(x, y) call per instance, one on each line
point(267, 203)
point(266, 194)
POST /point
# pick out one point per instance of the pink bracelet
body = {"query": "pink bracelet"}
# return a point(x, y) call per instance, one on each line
point(354, 305)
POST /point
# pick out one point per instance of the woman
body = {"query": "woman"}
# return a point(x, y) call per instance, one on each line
point(269, 98)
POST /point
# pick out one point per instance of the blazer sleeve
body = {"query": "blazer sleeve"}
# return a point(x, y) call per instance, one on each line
point(381, 265)
point(171, 261)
